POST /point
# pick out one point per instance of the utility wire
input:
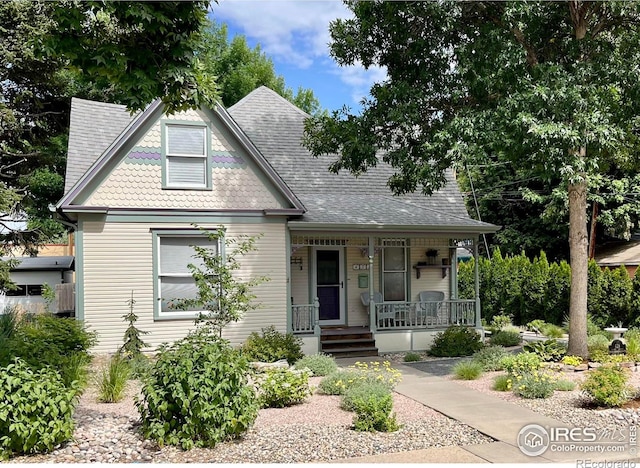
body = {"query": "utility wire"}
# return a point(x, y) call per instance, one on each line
point(475, 201)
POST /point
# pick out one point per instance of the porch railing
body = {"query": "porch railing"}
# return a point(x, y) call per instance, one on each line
point(305, 317)
point(396, 315)
point(412, 315)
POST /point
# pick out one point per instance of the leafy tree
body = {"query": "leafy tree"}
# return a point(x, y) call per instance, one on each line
point(125, 52)
point(534, 212)
point(543, 85)
point(221, 293)
point(240, 69)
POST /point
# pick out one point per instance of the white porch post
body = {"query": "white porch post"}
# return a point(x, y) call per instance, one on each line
point(316, 321)
point(372, 302)
point(476, 272)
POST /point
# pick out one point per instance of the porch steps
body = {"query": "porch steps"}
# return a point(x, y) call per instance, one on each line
point(348, 342)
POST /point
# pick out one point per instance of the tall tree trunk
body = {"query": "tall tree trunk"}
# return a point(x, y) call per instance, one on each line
point(578, 248)
point(592, 231)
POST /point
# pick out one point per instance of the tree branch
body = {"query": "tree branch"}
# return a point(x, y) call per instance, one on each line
point(532, 57)
point(20, 155)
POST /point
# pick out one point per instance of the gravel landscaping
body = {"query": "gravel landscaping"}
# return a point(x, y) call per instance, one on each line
point(568, 407)
point(315, 431)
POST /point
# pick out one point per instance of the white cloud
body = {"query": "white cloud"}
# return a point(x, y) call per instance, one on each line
point(360, 80)
point(296, 32)
point(292, 31)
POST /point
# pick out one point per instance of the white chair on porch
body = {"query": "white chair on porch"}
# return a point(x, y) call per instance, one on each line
point(387, 315)
point(429, 308)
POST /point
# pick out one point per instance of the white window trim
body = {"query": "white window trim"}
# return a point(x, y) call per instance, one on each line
point(167, 156)
point(158, 313)
point(395, 243)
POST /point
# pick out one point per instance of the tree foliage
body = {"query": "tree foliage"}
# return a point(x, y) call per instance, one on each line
point(540, 85)
point(240, 69)
point(125, 52)
point(529, 290)
point(533, 212)
point(222, 295)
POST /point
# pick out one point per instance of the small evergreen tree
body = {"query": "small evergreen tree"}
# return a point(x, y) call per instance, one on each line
point(133, 344)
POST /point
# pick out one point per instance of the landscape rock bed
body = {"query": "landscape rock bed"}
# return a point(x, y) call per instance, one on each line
point(315, 431)
point(568, 407)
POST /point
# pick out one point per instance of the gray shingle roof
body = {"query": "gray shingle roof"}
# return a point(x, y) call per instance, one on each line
point(93, 127)
point(275, 126)
point(60, 263)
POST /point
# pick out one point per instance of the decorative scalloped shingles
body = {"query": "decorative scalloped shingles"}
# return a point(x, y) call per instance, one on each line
point(140, 186)
point(152, 138)
point(218, 141)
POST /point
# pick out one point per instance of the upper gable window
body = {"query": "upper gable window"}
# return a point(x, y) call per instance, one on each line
point(185, 153)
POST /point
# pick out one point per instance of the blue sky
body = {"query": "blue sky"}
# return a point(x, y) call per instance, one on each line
point(295, 35)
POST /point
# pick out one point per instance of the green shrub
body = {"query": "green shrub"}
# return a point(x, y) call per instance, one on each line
point(362, 391)
point(9, 320)
point(112, 380)
point(632, 338)
point(607, 386)
point(490, 358)
point(564, 385)
point(498, 322)
point(467, 370)
point(75, 369)
point(319, 364)
point(377, 372)
point(548, 350)
point(552, 331)
point(572, 360)
point(197, 393)
point(373, 413)
point(597, 345)
point(521, 363)
point(536, 325)
point(502, 383)
point(47, 340)
point(535, 384)
point(278, 388)
point(272, 346)
point(412, 357)
point(505, 338)
point(360, 373)
point(339, 382)
point(139, 365)
point(36, 409)
point(456, 341)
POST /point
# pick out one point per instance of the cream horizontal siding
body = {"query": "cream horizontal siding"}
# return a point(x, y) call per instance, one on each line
point(300, 278)
point(430, 278)
point(118, 259)
point(358, 314)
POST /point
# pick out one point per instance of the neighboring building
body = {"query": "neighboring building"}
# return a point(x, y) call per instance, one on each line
point(136, 185)
point(30, 274)
point(615, 254)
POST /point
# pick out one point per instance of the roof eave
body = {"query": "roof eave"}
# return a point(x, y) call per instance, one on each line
point(106, 156)
point(485, 228)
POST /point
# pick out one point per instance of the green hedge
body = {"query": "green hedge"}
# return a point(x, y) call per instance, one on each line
point(537, 289)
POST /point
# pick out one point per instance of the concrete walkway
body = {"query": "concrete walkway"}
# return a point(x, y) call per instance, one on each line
point(494, 417)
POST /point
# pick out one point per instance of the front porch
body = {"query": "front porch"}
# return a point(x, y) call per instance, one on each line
point(402, 290)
